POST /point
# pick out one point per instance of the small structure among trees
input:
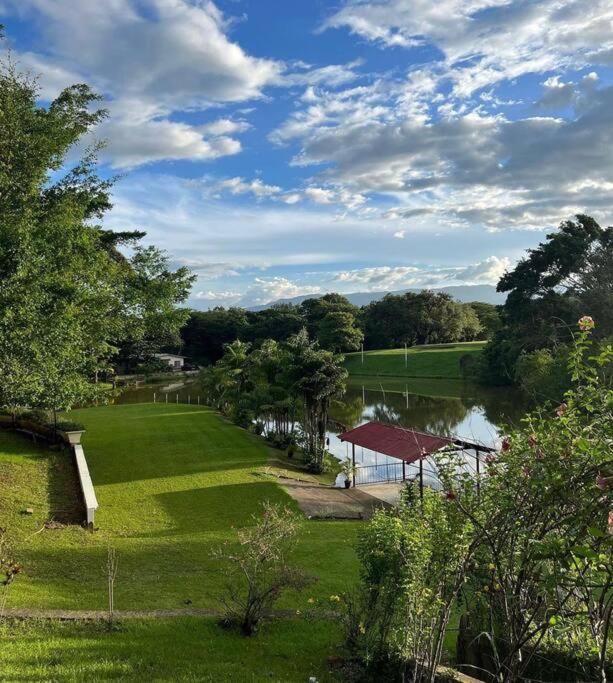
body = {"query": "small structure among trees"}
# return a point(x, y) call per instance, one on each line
point(410, 448)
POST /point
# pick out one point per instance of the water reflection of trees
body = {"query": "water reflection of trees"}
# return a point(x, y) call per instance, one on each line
point(438, 414)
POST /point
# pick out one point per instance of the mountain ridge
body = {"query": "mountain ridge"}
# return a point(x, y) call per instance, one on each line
point(463, 293)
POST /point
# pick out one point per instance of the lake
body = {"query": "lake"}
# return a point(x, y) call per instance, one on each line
point(439, 406)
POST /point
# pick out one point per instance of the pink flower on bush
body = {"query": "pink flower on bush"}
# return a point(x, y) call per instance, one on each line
point(561, 409)
point(532, 440)
point(450, 495)
point(586, 323)
point(490, 459)
point(611, 521)
point(602, 482)
point(506, 444)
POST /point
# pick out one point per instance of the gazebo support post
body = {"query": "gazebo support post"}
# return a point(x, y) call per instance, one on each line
point(421, 478)
point(404, 470)
point(353, 463)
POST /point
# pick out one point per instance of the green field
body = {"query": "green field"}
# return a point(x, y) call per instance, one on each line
point(186, 649)
point(173, 483)
point(434, 361)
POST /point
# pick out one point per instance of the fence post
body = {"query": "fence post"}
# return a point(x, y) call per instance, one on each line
point(189, 399)
point(166, 398)
point(421, 478)
point(198, 399)
point(176, 398)
point(154, 396)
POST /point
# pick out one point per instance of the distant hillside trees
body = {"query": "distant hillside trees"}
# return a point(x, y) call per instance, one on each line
point(425, 318)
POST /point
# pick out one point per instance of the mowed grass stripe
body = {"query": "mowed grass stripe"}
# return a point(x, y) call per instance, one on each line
point(433, 361)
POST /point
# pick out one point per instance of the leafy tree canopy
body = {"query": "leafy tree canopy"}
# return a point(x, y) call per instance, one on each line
point(68, 298)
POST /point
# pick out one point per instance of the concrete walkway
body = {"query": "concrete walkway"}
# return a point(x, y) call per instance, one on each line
point(386, 493)
point(318, 501)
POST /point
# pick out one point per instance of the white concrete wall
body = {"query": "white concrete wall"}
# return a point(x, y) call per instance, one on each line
point(87, 487)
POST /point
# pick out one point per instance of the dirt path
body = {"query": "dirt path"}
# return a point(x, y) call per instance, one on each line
point(100, 615)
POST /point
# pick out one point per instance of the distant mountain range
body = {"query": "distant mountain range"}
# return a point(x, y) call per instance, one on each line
point(464, 293)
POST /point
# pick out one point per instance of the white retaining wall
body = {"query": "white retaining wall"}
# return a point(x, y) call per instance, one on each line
point(89, 495)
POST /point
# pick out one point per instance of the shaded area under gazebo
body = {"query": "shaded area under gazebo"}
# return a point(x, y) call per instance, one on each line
point(409, 446)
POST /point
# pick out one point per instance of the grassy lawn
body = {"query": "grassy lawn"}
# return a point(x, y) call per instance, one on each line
point(187, 649)
point(173, 483)
point(435, 360)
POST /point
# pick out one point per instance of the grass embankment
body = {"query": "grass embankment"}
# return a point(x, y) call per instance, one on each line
point(431, 361)
point(174, 482)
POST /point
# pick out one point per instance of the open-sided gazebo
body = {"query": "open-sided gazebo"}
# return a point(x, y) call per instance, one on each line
point(407, 445)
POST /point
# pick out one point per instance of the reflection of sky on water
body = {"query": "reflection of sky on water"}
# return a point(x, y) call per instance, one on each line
point(472, 413)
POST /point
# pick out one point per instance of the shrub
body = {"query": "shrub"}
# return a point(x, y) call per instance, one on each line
point(542, 522)
point(69, 426)
point(413, 563)
point(258, 570)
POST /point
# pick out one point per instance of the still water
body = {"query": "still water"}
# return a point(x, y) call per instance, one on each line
point(443, 407)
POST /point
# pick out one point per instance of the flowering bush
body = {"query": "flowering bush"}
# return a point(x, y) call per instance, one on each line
point(541, 521)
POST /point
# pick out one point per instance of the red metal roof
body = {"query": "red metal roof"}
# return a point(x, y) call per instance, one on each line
point(397, 442)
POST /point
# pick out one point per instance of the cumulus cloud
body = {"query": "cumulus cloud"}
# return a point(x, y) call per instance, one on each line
point(255, 187)
point(210, 295)
point(477, 167)
point(170, 56)
point(264, 290)
point(385, 278)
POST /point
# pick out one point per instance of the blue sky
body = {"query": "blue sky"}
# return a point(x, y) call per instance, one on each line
point(286, 148)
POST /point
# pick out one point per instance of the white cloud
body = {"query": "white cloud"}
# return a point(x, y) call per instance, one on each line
point(151, 61)
point(399, 234)
point(332, 75)
point(225, 126)
point(210, 295)
point(385, 278)
point(324, 195)
point(488, 271)
point(238, 186)
point(291, 198)
point(133, 144)
point(379, 278)
point(264, 290)
point(486, 41)
point(477, 168)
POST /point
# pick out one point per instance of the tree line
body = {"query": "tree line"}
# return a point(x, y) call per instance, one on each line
point(337, 325)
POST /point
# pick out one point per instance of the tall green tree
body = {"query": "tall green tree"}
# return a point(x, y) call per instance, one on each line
point(318, 376)
point(67, 296)
point(338, 332)
point(207, 332)
point(566, 276)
